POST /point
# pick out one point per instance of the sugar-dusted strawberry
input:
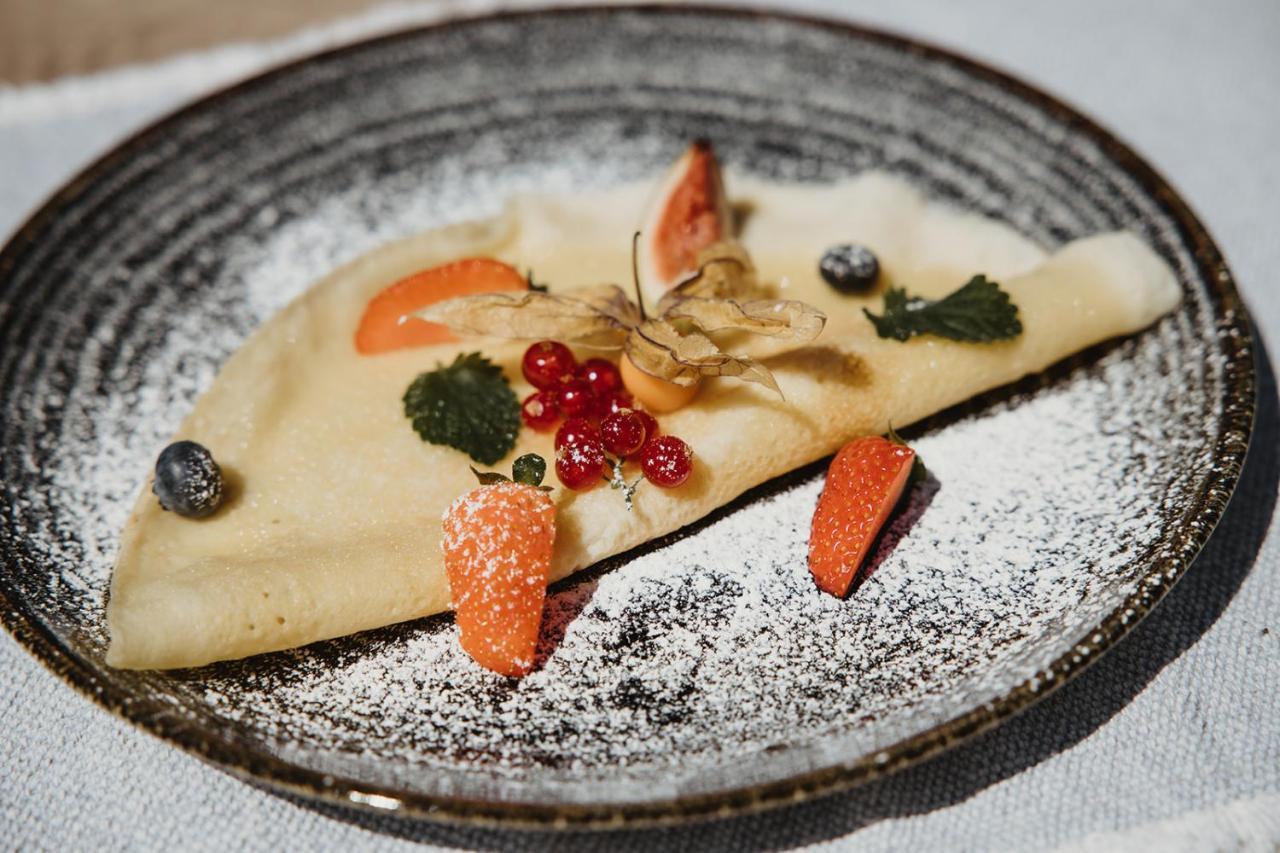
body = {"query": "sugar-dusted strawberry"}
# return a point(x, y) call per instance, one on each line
point(863, 485)
point(497, 555)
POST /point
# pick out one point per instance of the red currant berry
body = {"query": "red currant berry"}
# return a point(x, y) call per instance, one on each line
point(576, 431)
point(622, 433)
point(650, 424)
point(546, 363)
point(581, 465)
point(576, 399)
point(601, 375)
point(539, 410)
point(611, 403)
point(666, 461)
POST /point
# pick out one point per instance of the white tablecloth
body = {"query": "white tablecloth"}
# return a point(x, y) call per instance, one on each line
point(1171, 742)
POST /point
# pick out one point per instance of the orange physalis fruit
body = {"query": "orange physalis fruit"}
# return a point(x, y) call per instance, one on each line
point(657, 395)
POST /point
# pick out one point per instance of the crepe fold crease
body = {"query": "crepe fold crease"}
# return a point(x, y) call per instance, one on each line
point(332, 523)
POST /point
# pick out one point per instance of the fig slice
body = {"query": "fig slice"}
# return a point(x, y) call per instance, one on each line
point(689, 213)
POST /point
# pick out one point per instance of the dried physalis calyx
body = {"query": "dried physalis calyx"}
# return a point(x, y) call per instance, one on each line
point(597, 316)
point(675, 345)
point(724, 271)
point(722, 295)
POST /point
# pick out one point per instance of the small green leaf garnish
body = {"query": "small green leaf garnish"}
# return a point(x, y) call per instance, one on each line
point(919, 473)
point(979, 312)
point(468, 406)
point(533, 285)
point(529, 469)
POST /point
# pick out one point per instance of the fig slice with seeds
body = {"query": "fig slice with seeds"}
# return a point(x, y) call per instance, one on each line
point(689, 213)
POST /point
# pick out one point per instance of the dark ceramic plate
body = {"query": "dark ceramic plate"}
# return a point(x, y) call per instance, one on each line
point(703, 674)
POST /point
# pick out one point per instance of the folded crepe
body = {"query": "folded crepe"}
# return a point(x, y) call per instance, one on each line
point(333, 516)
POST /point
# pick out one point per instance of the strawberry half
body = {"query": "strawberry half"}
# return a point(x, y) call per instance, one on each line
point(864, 483)
point(497, 555)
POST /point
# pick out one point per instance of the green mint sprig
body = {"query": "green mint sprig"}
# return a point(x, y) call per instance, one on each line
point(527, 470)
point(468, 406)
point(979, 312)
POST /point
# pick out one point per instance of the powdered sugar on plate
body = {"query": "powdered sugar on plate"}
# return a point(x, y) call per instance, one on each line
point(698, 664)
point(697, 653)
point(676, 662)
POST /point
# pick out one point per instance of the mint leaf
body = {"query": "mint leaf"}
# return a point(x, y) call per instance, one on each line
point(979, 312)
point(468, 406)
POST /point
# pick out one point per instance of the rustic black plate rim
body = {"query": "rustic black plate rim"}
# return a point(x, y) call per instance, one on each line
point(1235, 344)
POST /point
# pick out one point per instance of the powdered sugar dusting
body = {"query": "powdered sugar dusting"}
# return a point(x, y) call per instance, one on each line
point(704, 662)
point(719, 646)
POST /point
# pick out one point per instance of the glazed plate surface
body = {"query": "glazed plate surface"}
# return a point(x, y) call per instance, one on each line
point(700, 674)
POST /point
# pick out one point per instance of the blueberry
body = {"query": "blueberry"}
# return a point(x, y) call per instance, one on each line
point(849, 268)
point(187, 480)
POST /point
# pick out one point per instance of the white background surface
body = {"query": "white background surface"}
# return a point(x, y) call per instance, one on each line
point(1172, 741)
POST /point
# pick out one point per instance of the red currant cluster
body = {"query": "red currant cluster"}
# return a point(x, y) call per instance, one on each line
point(600, 416)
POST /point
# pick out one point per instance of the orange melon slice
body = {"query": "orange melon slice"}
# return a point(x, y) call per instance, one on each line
point(388, 323)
